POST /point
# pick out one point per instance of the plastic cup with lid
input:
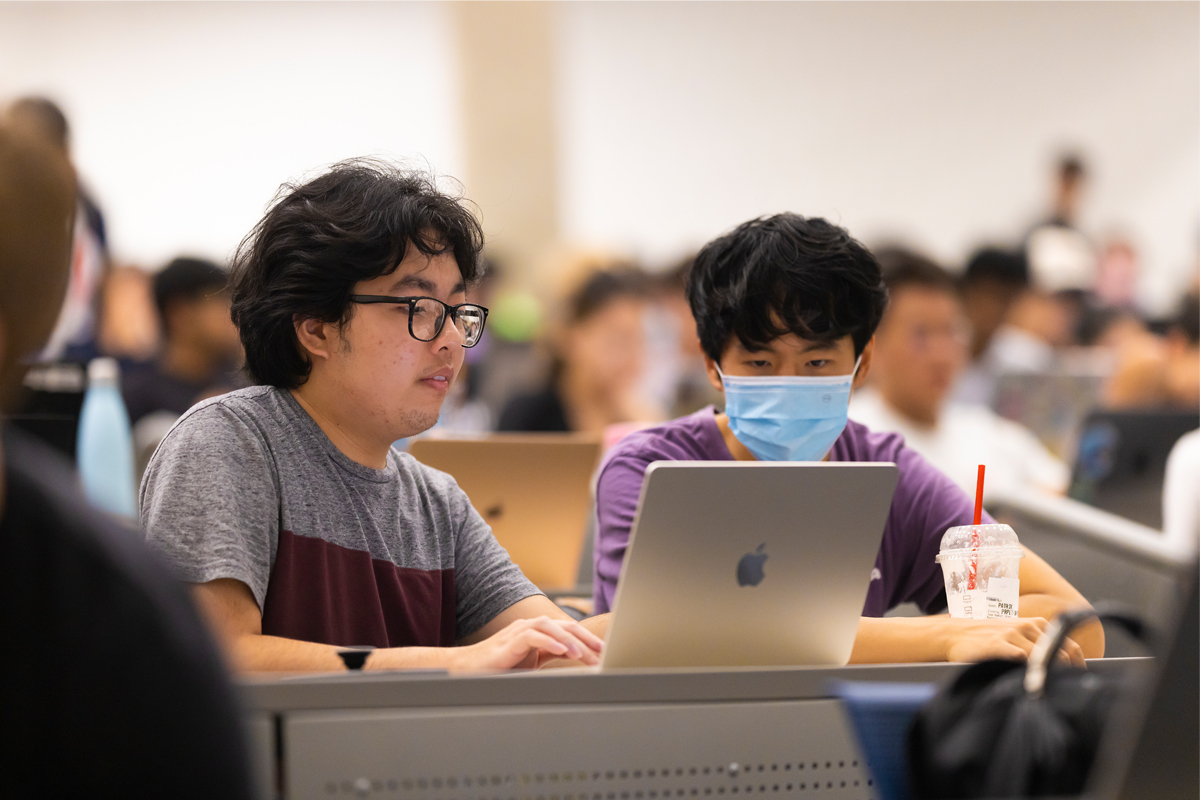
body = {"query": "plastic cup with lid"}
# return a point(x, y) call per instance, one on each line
point(982, 568)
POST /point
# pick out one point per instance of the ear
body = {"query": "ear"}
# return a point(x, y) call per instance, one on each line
point(714, 377)
point(864, 366)
point(319, 339)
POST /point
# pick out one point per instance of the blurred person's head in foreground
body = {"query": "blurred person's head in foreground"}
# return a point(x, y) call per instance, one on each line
point(121, 651)
point(786, 297)
point(192, 299)
point(992, 281)
point(922, 342)
point(42, 118)
point(37, 207)
point(349, 293)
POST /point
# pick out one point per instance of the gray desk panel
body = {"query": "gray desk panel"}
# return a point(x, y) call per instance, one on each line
point(645, 751)
point(368, 734)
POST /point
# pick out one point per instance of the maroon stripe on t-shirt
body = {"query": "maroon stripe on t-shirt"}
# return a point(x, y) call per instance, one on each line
point(323, 592)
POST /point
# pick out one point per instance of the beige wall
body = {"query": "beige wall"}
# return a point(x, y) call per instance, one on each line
point(510, 136)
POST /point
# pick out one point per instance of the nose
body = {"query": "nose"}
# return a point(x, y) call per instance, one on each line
point(450, 336)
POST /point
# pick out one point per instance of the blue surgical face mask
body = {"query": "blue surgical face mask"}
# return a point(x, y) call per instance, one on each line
point(787, 418)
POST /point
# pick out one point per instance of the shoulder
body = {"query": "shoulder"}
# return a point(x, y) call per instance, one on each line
point(432, 486)
point(410, 470)
point(691, 438)
point(257, 408)
point(42, 499)
point(860, 443)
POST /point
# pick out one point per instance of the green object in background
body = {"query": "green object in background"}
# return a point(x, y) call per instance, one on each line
point(515, 316)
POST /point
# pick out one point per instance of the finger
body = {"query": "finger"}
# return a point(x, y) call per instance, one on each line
point(1074, 653)
point(1022, 639)
point(559, 630)
point(533, 639)
point(581, 633)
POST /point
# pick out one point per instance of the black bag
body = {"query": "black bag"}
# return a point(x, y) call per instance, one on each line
point(1009, 729)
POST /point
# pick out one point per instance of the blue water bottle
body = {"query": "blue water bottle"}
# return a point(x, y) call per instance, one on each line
point(105, 448)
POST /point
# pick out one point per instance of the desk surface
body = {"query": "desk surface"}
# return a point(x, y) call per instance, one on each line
point(399, 689)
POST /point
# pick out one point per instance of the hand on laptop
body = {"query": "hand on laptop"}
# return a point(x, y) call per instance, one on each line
point(977, 640)
point(530, 643)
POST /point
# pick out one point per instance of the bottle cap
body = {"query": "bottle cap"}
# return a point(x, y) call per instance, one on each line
point(103, 370)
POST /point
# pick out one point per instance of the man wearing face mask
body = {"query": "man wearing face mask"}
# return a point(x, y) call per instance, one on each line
point(786, 308)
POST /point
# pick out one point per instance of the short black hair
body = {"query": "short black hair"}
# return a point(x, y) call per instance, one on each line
point(187, 279)
point(903, 268)
point(785, 274)
point(996, 264)
point(353, 223)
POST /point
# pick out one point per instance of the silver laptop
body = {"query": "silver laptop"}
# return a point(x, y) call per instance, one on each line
point(748, 564)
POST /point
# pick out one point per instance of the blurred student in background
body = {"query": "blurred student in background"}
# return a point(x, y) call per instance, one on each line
point(108, 677)
point(992, 282)
point(74, 335)
point(598, 357)
point(674, 378)
point(1160, 372)
point(921, 347)
point(200, 352)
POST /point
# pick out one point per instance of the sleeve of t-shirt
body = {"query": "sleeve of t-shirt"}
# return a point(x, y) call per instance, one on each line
point(617, 492)
point(486, 580)
point(925, 505)
point(210, 501)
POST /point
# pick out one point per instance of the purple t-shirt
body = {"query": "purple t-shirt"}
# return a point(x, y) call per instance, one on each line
point(925, 504)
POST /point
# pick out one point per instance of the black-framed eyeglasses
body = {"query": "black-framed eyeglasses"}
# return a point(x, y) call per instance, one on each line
point(427, 316)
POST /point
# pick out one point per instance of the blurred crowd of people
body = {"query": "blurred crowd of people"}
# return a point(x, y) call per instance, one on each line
point(614, 348)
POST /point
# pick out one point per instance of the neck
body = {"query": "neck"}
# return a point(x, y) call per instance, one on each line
point(183, 360)
point(337, 425)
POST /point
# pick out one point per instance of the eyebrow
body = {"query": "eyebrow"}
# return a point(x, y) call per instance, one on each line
point(424, 285)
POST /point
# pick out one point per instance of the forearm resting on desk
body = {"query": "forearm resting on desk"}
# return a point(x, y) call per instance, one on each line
point(883, 640)
point(525, 635)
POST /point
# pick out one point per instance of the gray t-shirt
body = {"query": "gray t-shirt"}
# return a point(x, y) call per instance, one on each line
point(247, 486)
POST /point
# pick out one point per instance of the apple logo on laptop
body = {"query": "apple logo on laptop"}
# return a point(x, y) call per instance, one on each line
point(750, 568)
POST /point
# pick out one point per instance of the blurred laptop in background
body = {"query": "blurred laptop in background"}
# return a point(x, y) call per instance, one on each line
point(534, 490)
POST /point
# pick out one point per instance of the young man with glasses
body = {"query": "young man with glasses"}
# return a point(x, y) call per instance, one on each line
point(284, 504)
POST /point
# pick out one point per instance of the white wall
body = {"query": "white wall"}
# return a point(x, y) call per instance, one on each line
point(188, 116)
point(932, 122)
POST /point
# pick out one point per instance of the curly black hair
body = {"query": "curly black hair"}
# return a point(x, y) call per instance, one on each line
point(785, 274)
point(353, 223)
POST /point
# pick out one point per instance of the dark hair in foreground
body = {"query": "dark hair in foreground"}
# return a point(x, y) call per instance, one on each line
point(785, 274)
point(302, 260)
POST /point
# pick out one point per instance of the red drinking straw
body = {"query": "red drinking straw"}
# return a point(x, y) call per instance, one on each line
point(979, 497)
point(974, 570)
